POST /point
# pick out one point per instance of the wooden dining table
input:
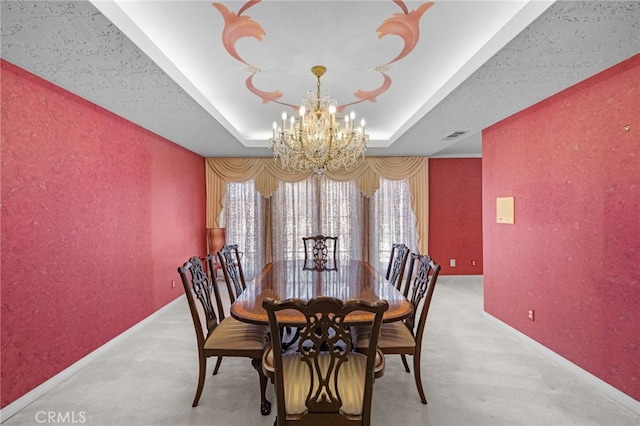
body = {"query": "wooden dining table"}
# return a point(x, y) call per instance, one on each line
point(287, 279)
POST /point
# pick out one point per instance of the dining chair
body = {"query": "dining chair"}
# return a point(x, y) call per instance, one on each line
point(320, 251)
point(223, 337)
point(405, 337)
point(229, 258)
point(397, 264)
point(323, 380)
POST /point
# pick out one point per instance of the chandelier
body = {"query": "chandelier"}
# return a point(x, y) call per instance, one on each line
point(316, 141)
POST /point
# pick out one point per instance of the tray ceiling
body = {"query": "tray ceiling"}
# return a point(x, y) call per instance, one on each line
point(214, 76)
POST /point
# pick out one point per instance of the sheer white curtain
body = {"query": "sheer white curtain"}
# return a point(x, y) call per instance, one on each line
point(318, 205)
point(294, 214)
point(341, 214)
point(243, 215)
point(314, 206)
point(392, 221)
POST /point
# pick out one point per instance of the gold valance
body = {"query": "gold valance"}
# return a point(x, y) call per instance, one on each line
point(266, 174)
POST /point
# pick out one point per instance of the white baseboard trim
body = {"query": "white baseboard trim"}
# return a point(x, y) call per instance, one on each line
point(589, 378)
point(26, 399)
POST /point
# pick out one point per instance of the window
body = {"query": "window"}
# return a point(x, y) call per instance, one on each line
point(392, 221)
point(314, 206)
point(243, 216)
point(318, 205)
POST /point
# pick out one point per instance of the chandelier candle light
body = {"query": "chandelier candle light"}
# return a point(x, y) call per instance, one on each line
point(316, 142)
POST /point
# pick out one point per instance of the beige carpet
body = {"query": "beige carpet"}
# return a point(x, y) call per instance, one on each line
point(474, 372)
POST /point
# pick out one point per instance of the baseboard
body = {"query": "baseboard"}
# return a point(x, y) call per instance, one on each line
point(604, 387)
point(26, 399)
point(461, 275)
point(461, 278)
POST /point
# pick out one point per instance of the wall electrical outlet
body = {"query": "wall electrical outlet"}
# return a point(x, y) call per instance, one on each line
point(532, 314)
point(173, 284)
point(473, 263)
point(452, 263)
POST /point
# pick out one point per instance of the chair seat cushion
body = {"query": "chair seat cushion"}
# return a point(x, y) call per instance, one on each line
point(296, 376)
point(394, 337)
point(235, 335)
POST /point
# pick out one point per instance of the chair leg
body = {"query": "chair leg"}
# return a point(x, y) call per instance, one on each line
point(404, 362)
point(215, 370)
point(265, 405)
point(416, 372)
point(201, 376)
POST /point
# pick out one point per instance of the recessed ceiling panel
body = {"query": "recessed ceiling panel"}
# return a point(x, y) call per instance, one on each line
point(390, 61)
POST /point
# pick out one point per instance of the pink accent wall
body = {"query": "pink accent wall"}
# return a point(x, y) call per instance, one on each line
point(455, 214)
point(573, 254)
point(97, 214)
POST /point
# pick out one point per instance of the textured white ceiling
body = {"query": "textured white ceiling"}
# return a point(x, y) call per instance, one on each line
point(162, 64)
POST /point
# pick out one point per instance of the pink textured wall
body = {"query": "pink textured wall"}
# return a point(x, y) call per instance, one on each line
point(97, 213)
point(455, 214)
point(573, 254)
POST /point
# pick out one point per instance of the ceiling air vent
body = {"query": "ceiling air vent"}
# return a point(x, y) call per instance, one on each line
point(455, 135)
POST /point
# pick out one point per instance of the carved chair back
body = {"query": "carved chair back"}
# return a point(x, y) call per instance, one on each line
point(397, 264)
point(229, 258)
point(424, 273)
point(325, 357)
point(320, 251)
point(196, 282)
